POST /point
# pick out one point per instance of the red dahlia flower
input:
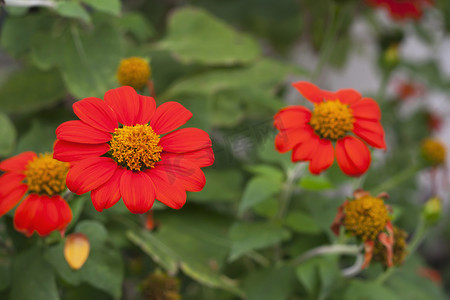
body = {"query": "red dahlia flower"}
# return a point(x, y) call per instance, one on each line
point(402, 9)
point(336, 116)
point(43, 177)
point(116, 151)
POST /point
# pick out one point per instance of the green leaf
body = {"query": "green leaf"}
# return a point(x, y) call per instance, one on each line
point(195, 35)
point(18, 32)
point(267, 171)
point(103, 268)
point(221, 185)
point(315, 183)
point(32, 277)
point(8, 135)
point(84, 57)
point(270, 284)
point(363, 290)
point(73, 10)
point(198, 249)
point(39, 138)
point(5, 274)
point(258, 189)
point(108, 6)
point(30, 89)
point(302, 223)
point(263, 75)
point(137, 25)
point(247, 237)
point(95, 231)
point(157, 250)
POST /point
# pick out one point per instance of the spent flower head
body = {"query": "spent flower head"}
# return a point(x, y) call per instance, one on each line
point(134, 72)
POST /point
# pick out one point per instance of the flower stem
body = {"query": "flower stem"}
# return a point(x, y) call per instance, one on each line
point(396, 179)
point(328, 39)
point(331, 249)
point(288, 189)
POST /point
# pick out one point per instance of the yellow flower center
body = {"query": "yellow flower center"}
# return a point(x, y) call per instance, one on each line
point(433, 151)
point(46, 175)
point(332, 119)
point(366, 217)
point(135, 147)
point(133, 71)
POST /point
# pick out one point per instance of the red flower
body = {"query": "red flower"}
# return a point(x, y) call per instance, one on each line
point(406, 90)
point(116, 151)
point(311, 135)
point(402, 9)
point(43, 210)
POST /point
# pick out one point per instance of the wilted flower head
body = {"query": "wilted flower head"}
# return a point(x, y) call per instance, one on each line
point(433, 152)
point(367, 218)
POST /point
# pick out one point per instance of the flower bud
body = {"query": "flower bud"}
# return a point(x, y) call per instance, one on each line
point(76, 250)
point(432, 210)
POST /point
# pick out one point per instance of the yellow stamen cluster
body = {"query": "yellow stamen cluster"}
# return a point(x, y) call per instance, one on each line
point(134, 71)
point(135, 147)
point(332, 119)
point(433, 151)
point(46, 175)
point(366, 217)
point(399, 248)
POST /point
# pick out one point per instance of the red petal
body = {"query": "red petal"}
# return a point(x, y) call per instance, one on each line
point(201, 158)
point(126, 104)
point(96, 113)
point(26, 213)
point(80, 132)
point(323, 158)
point(306, 150)
point(185, 140)
point(286, 140)
point(138, 191)
point(169, 116)
point(352, 155)
point(10, 181)
point(168, 191)
point(17, 163)
point(292, 117)
point(67, 151)
point(348, 96)
point(108, 194)
point(366, 108)
point(179, 169)
point(337, 222)
point(147, 109)
point(387, 239)
point(88, 174)
point(313, 93)
point(368, 252)
point(10, 199)
point(371, 132)
point(65, 213)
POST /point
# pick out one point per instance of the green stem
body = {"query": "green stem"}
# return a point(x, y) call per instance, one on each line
point(396, 179)
point(288, 189)
point(383, 86)
point(327, 42)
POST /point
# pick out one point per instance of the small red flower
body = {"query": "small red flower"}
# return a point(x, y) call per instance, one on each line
point(116, 151)
point(407, 90)
point(43, 177)
point(336, 116)
point(402, 9)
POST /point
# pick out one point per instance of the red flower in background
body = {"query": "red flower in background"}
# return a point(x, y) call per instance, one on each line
point(116, 151)
point(406, 90)
point(402, 9)
point(43, 177)
point(312, 136)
